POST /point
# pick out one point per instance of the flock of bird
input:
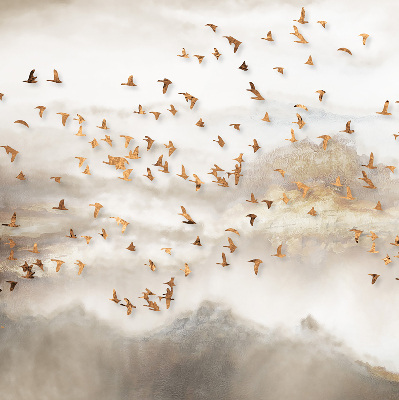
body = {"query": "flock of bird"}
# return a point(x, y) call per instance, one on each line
point(120, 161)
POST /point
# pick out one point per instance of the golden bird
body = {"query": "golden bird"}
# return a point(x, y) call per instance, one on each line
point(279, 69)
point(80, 131)
point(301, 123)
point(256, 262)
point(41, 110)
point(21, 176)
point(200, 123)
point(385, 109)
point(391, 168)
point(197, 242)
point(166, 82)
point(373, 236)
point(128, 305)
point(253, 200)
point(345, 50)
point(97, 208)
point(293, 139)
point(372, 250)
point(149, 142)
point(310, 61)
point(187, 216)
point(149, 175)
point(282, 172)
point(86, 171)
point(231, 245)
point(188, 97)
point(13, 222)
point(348, 194)
point(170, 147)
point(11, 256)
point(88, 238)
point(71, 234)
point(35, 250)
point(301, 20)
point(200, 58)
point(243, 67)
point(108, 140)
point(370, 165)
point(321, 94)
point(303, 187)
point(279, 254)
point(364, 36)
point(56, 79)
point(131, 247)
point(31, 79)
point(94, 143)
point(61, 206)
point(236, 126)
point(183, 173)
point(298, 35)
point(368, 181)
point(64, 117)
point(183, 53)
point(357, 234)
point(258, 96)
point(269, 37)
point(322, 23)
point(80, 119)
point(348, 128)
point(197, 182)
point(375, 277)
point(285, 198)
point(134, 155)
point(224, 262)
point(312, 212)
point(337, 182)
point(325, 138)
point(81, 266)
point(22, 122)
point(156, 114)
point(233, 41)
point(186, 269)
point(266, 117)
point(127, 140)
point(232, 230)
point(129, 81)
point(378, 206)
point(126, 175)
point(212, 26)
point(252, 218)
point(387, 260)
point(114, 297)
point(268, 202)
point(220, 141)
point(121, 222)
point(255, 146)
point(172, 109)
point(103, 234)
point(151, 265)
point(216, 53)
point(59, 263)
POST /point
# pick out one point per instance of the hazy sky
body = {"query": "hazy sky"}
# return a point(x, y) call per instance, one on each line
point(95, 46)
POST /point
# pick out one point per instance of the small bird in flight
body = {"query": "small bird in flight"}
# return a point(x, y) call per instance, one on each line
point(128, 305)
point(224, 263)
point(301, 123)
point(258, 96)
point(41, 110)
point(312, 212)
point(269, 37)
point(156, 114)
point(127, 140)
point(172, 109)
point(126, 175)
point(200, 123)
point(103, 125)
point(282, 172)
point(200, 58)
point(131, 247)
point(321, 94)
point(212, 26)
point(114, 297)
point(253, 200)
point(337, 182)
point(373, 236)
point(187, 216)
point(387, 260)
point(279, 254)
point(325, 138)
point(61, 206)
point(301, 20)
point(232, 230)
point(56, 79)
point(97, 208)
point(255, 146)
point(279, 69)
point(364, 36)
point(103, 234)
point(22, 122)
point(348, 128)
point(220, 141)
point(129, 81)
point(31, 79)
point(231, 245)
point(368, 181)
point(59, 263)
point(310, 61)
point(71, 234)
point(348, 194)
point(197, 182)
point(122, 222)
point(322, 23)
point(12, 285)
point(372, 250)
point(197, 242)
point(80, 119)
point(303, 187)
point(293, 139)
point(375, 277)
point(385, 109)
point(370, 165)
point(357, 234)
point(183, 173)
point(285, 198)
point(298, 35)
point(21, 176)
point(266, 117)
point(186, 269)
point(149, 175)
point(149, 142)
point(183, 53)
point(345, 50)
point(243, 67)
point(188, 97)
point(256, 262)
point(252, 218)
point(166, 82)
point(81, 266)
point(233, 41)
point(64, 117)
point(268, 202)
point(88, 238)
point(216, 53)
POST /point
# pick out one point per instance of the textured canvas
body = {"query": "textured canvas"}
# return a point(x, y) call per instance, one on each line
point(199, 200)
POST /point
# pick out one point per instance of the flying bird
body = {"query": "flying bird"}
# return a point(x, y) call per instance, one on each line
point(80, 119)
point(301, 20)
point(59, 263)
point(171, 147)
point(310, 61)
point(256, 262)
point(188, 97)
point(11, 243)
point(183, 53)
point(108, 140)
point(269, 37)
point(71, 234)
point(325, 138)
point(232, 230)
point(186, 269)
point(216, 53)
point(140, 111)
point(12, 285)
point(243, 67)
point(22, 122)
point(149, 175)
point(387, 260)
point(61, 206)
point(258, 96)
point(312, 212)
point(131, 247)
point(233, 41)
point(212, 26)
point(81, 266)
point(236, 126)
point(31, 79)
point(88, 238)
point(301, 106)
point(11, 256)
point(129, 81)
point(303, 187)
point(103, 234)
point(127, 140)
point(197, 182)
point(322, 23)
point(56, 79)
point(21, 176)
point(293, 139)
point(200, 58)
point(126, 175)
point(268, 202)
point(41, 110)
point(35, 250)
point(231, 245)
point(372, 250)
point(279, 254)
point(364, 36)
point(220, 141)
point(128, 305)
point(375, 277)
point(266, 117)
point(114, 298)
point(321, 94)
point(370, 165)
point(298, 35)
point(121, 222)
point(348, 194)
point(348, 128)
point(368, 181)
point(200, 123)
point(252, 218)
point(156, 114)
point(94, 143)
point(396, 241)
point(385, 109)
point(97, 209)
point(300, 121)
point(197, 242)
point(187, 216)
point(151, 265)
point(168, 250)
point(357, 234)
point(255, 146)
point(149, 142)
point(378, 206)
point(337, 182)
point(279, 69)
point(172, 109)
point(224, 262)
point(345, 49)
point(64, 117)
point(253, 200)
point(183, 173)
point(373, 236)
point(80, 131)
point(12, 151)
point(391, 168)
point(86, 171)
point(282, 172)
point(81, 160)
point(166, 82)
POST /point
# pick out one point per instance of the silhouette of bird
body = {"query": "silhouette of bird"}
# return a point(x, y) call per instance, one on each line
point(293, 139)
point(373, 250)
point(168, 250)
point(256, 262)
point(220, 141)
point(301, 106)
point(151, 265)
point(41, 110)
point(200, 58)
point(172, 109)
point(258, 96)
point(370, 165)
point(269, 37)
point(103, 125)
point(385, 109)
point(312, 212)
point(188, 97)
point(126, 175)
point(22, 122)
point(35, 250)
point(200, 123)
point(231, 245)
point(108, 140)
point(97, 209)
point(375, 277)
point(13, 222)
point(64, 117)
point(80, 119)
point(279, 69)
point(131, 247)
point(387, 260)
point(86, 171)
point(236, 126)
point(170, 147)
point(197, 242)
point(186, 269)
point(243, 66)
point(21, 176)
point(357, 234)
point(310, 61)
point(345, 50)
point(129, 81)
point(127, 140)
point(298, 35)
point(378, 206)
point(321, 94)
point(183, 173)
point(88, 238)
point(364, 36)
point(279, 254)
point(212, 26)
point(12, 151)
point(323, 23)
point(368, 181)
point(233, 41)
point(59, 263)
point(149, 175)
point(149, 142)
point(121, 222)
point(61, 206)
point(300, 121)
point(216, 53)
point(11, 256)
point(114, 297)
point(391, 168)
point(166, 82)
point(128, 305)
point(12, 283)
point(183, 53)
point(224, 262)
point(348, 194)
point(253, 200)
point(39, 264)
point(104, 234)
point(252, 218)
point(80, 133)
point(56, 79)
point(268, 202)
point(156, 114)
point(197, 182)
point(31, 79)
point(337, 182)
point(282, 172)
point(71, 234)
point(396, 241)
point(266, 117)
point(255, 146)
point(94, 143)
point(373, 236)
point(232, 230)
point(187, 216)
point(301, 20)
point(303, 187)
point(325, 138)
point(11, 243)
point(81, 266)
point(348, 128)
